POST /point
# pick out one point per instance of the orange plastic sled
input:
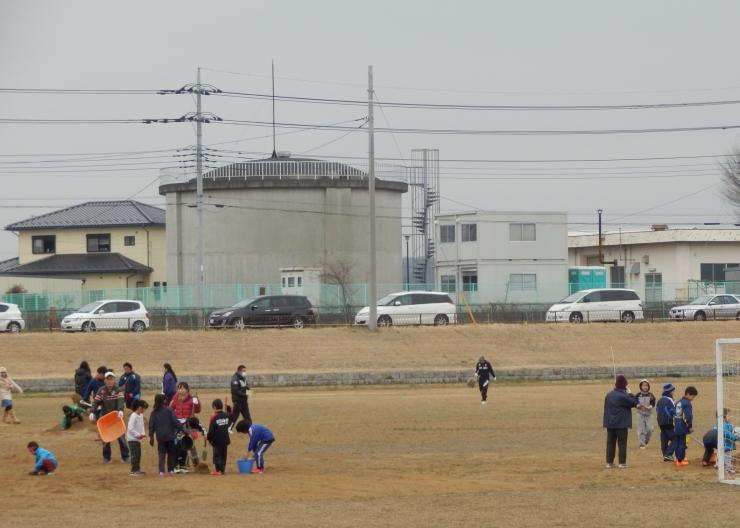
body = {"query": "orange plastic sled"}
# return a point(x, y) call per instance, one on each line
point(111, 427)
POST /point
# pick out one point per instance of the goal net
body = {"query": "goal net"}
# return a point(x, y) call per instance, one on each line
point(728, 397)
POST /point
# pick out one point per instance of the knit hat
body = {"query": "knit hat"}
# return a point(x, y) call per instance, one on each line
point(668, 387)
point(621, 382)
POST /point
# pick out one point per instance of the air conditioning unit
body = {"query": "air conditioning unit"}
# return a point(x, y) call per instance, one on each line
point(635, 269)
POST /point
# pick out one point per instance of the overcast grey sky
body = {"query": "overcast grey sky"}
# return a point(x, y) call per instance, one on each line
point(523, 52)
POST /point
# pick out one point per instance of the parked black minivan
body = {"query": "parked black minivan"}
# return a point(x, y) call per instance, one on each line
point(267, 310)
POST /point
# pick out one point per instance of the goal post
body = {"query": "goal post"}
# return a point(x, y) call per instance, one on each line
point(727, 370)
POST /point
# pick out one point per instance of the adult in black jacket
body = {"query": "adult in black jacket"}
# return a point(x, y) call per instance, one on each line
point(618, 406)
point(83, 375)
point(240, 395)
point(484, 372)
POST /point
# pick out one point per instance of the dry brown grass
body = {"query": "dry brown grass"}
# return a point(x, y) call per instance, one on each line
point(349, 349)
point(410, 457)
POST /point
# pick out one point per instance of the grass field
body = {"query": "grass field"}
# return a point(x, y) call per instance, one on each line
point(401, 456)
point(343, 349)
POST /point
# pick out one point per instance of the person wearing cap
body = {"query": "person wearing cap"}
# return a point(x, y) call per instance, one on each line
point(110, 399)
point(618, 406)
point(665, 411)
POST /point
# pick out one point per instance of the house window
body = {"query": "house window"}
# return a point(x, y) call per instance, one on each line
point(469, 232)
point(714, 272)
point(299, 282)
point(523, 282)
point(522, 232)
point(447, 283)
point(283, 282)
point(291, 282)
point(470, 281)
point(446, 233)
point(98, 243)
point(129, 240)
point(653, 287)
point(44, 244)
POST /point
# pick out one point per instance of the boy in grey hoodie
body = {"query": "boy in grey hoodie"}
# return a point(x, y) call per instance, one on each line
point(645, 405)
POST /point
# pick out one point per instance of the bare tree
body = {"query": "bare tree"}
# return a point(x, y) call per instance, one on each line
point(731, 178)
point(16, 288)
point(339, 273)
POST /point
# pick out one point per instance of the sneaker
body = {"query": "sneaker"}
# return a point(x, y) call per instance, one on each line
point(643, 446)
point(171, 474)
point(677, 463)
point(667, 459)
point(482, 403)
point(162, 475)
point(135, 474)
point(106, 461)
point(684, 462)
point(127, 461)
point(623, 466)
point(609, 466)
point(705, 463)
point(258, 471)
point(215, 473)
point(180, 470)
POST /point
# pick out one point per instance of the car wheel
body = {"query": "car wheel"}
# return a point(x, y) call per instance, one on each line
point(298, 322)
point(138, 326)
point(239, 323)
point(628, 317)
point(88, 326)
point(700, 316)
point(14, 328)
point(576, 318)
point(384, 321)
point(737, 316)
point(441, 320)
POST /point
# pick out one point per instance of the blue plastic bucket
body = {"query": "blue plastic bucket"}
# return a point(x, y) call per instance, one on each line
point(245, 466)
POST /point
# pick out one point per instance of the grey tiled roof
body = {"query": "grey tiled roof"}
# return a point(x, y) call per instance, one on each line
point(96, 214)
point(79, 264)
point(8, 264)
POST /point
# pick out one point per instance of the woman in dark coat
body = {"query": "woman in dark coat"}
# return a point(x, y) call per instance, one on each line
point(169, 383)
point(618, 406)
point(82, 378)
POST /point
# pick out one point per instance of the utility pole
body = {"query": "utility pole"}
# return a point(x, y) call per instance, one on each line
point(372, 297)
point(199, 201)
point(408, 267)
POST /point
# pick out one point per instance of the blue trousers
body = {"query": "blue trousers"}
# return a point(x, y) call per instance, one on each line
point(259, 453)
point(121, 444)
point(667, 440)
point(680, 443)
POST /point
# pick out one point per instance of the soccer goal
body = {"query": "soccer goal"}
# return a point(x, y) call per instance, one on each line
point(728, 396)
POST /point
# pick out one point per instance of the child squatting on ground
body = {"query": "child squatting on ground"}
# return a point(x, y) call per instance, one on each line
point(6, 396)
point(711, 439)
point(645, 405)
point(684, 424)
point(135, 434)
point(46, 463)
point(261, 438)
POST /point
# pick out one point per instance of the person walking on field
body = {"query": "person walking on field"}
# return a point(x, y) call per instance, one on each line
point(240, 396)
point(83, 375)
point(645, 405)
point(169, 383)
point(110, 399)
point(484, 374)
point(618, 406)
point(6, 396)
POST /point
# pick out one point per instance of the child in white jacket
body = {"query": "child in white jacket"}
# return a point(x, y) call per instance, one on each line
point(135, 434)
point(645, 405)
point(6, 396)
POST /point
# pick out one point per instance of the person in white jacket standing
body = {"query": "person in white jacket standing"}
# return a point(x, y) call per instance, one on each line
point(645, 405)
point(135, 434)
point(6, 396)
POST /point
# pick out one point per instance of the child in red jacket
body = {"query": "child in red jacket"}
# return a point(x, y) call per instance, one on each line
point(186, 406)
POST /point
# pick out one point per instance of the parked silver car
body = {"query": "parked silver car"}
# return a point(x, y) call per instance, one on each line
point(722, 306)
point(11, 319)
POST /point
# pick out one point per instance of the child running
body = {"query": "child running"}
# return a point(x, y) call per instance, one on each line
point(135, 434)
point(645, 405)
point(684, 424)
point(163, 423)
point(665, 410)
point(46, 463)
point(218, 436)
point(260, 440)
point(6, 396)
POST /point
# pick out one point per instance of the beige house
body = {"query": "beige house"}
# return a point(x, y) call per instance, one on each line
point(106, 245)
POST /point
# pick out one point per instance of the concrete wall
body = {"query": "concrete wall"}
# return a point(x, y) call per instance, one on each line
point(263, 229)
point(41, 285)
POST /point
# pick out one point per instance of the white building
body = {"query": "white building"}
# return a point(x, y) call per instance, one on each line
point(665, 264)
point(503, 257)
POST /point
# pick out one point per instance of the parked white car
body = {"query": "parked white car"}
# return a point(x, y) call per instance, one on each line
point(723, 306)
point(11, 319)
point(412, 308)
point(605, 304)
point(108, 315)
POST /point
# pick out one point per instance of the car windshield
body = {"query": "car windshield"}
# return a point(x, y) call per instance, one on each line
point(387, 300)
point(704, 299)
point(572, 298)
point(90, 307)
point(244, 304)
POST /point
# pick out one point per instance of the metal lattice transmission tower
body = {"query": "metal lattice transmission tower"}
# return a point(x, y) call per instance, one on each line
point(424, 183)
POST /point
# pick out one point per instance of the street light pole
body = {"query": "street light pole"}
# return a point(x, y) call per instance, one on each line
point(408, 272)
point(373, 286)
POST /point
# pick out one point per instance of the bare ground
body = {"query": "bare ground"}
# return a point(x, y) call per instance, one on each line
point(400, 456)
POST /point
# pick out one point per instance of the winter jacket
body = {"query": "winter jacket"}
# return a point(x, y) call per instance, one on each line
point(618, 406)
point(665, 410)
point(259, 434)
point(135, 429)
point(92, 388)
point(82, 380)
point(218, 431)
point(484, 370)
point(646, 400)
point(169, 386)
point(683, 420)
point(41, 455)
point(163, 423)
point(239, 388)
point(712, 438)
point(186, 408)
point(6, 387)
point(107, 400)
point(131, 384)
point(75, 411)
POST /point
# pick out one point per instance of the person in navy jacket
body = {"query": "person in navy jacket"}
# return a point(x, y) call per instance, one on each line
point(618, 406)
point(95, 384)
point(665, 410)
point(261, 438)
point(169, 383)
point(683, 422)
point(130, 382)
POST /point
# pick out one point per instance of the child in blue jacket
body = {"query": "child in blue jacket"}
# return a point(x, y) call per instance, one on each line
point(683, 422)
point(261, 438)
point(665, 411)
point(46, 463)
point(711, 439)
